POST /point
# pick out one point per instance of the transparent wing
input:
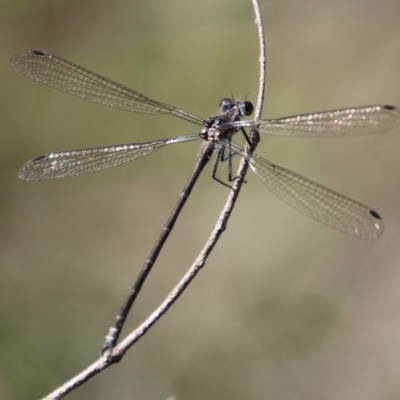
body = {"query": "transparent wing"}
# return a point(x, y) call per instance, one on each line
point(77, 162)
point(343, 122)
point(78, 81)
point(316, 201)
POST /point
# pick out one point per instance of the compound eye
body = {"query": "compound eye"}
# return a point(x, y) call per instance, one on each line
point(248, 108)
point(226, 104)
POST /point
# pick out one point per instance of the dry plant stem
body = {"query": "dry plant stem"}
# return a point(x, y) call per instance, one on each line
point(262, 60)
point(119, 351)
point(220, 226)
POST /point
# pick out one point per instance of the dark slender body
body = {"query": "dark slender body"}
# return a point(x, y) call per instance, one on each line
point(212, 133)
point(114, 332)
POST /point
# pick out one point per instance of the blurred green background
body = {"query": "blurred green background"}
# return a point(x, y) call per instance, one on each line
point(285, 307)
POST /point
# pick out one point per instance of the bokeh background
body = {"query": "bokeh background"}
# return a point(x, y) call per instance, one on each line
point(285, 307)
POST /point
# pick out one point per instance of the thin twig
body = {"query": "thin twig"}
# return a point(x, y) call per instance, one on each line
point(119, 351)
point(222, 220)
point(262, 59)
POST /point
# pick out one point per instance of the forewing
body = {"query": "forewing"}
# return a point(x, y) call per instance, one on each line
point(344, 122)
point(78, 81)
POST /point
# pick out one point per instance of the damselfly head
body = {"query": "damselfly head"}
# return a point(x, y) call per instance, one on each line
point(245, 107)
